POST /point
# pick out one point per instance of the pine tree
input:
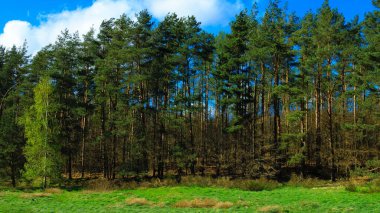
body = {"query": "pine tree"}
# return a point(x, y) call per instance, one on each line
point(14, 97)
point(272, 96)
point(64, 70)
point(304, 40)
point(84, 87)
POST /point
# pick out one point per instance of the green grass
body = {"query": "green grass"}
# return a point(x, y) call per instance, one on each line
point(163, 199)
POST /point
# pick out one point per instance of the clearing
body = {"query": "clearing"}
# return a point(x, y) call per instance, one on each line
point(191, 199)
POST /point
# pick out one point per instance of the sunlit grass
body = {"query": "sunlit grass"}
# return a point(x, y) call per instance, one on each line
point(189, 199)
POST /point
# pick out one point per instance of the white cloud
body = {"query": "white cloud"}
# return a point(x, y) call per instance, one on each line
point(209, 12)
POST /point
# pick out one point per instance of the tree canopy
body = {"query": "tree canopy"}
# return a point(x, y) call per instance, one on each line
point(277, 94)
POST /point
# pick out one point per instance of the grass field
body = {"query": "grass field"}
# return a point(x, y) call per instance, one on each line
point(191, 199)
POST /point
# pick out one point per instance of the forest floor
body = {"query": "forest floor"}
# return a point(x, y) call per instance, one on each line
point(191, 199)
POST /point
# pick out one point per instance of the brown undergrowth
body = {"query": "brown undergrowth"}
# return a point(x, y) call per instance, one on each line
point(46, 193)
point(142, 202)
point(203, 203)
point(138, 201)
point(35, 195)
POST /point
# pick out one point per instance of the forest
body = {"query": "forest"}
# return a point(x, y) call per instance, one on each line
point(275, 95)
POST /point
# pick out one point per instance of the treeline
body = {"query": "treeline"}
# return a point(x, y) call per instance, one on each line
point(277, 94)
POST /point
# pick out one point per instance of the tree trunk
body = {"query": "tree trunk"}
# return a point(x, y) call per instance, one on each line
point(255, 147)
point(276, 117)
point(263, 112)
point(83, 150)
point(331, 130)
point(13, 173)
point(104, 144)
point(318, 140)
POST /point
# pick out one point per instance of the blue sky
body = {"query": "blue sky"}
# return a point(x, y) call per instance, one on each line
point(39, 22)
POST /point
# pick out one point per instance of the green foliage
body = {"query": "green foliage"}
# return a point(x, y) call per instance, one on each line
point(140, 97)
point(14, 96)
point(295, 116)
point(370, 169)
point(370, 187)
point(41, 151)
point(373, 164)
point(296, 159)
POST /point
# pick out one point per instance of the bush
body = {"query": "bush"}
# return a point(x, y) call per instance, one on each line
point(371, 169)
point(369, 187)
point(260, 185)
point(374, 186)
point(99, 185)
point(351, 187)
point(256, 186)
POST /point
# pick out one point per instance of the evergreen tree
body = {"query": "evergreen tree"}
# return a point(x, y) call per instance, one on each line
point(64, 71)
point(274, 95)
point(14, 97)
point(85, 89)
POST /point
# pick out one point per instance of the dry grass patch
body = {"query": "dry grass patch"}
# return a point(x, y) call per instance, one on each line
point(35, 195)
point(203, 203)
point(196, 203)
point(270, 209)
point(360, 180)
point(223, 205)
point(53, 190)
point(138, 201)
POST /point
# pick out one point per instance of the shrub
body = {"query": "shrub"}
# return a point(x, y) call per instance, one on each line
point(255, 186)
point(371, 169)
point(261, 184)
point(369, 187)
point(374, 186)
point(224, 182)
point(100, 185)
point(351, 187)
